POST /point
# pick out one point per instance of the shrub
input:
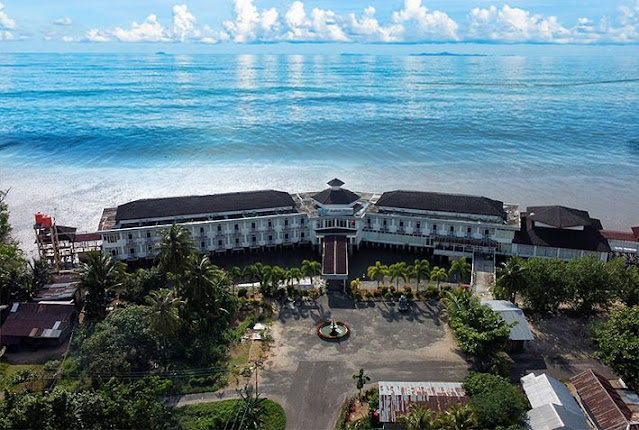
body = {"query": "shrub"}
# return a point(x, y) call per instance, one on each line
point(368, 295)
point(392, 289)
point(388, 295)
point(494, 401)
point(242, 292)
point(383, 290)
point(22, 375)
point(407, 288)
point(431, 292)
point(358, 296)
point(51, 365)
point(377, 293)
point(408, 294)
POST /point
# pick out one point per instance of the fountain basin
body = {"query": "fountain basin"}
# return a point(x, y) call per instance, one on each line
point(332, 330)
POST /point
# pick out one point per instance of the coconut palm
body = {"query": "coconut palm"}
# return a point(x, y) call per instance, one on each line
point(236, 274)
point(175, 249)
point(97, 276)
point(361, 380)
point(417, 418)
point(398, 271)
point(311, 268)
point(377, 272)
point(296, 274)
point(164, 311)
point(511, 279)
point(421, 269)
point(461, 268)
point(200, 279)
point(252, 272)
point(438, 274)
point(457, 418)
point(458, 301)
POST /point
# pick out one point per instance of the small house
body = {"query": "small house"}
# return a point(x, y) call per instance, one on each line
point(510, 313)
point(38, 324)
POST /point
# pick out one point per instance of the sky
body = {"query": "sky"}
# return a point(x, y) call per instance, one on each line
point(127, 25)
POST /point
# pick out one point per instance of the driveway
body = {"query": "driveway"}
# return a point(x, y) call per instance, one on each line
point(312, 377)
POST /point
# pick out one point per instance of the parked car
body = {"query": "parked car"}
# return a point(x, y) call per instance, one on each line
point(403, 304)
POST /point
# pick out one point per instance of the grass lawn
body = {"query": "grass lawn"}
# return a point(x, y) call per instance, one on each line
point(217, 414)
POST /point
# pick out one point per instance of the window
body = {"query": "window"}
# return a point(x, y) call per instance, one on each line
point(132, 251)
point(285, 222)
point(286, 236)
point(112, 238)
point(469, 230)
point(368, 221)
point(452, 229)
point(114, 252)
point(302, 221)
point(418, 226)
point(401, 224)
point(237, 241)
point(130, 236)
point(149, 249)
point(434, 227)
point(270, 224)
point(253, 225)
point(384, 222)
point(219, 228)
point(219, 243)
point(201, 229)
point(486, 232)
point(302, 235)
point(270, 238)
point(237, 227)
point(202, 244)
point(253, 239)
point(148, 234)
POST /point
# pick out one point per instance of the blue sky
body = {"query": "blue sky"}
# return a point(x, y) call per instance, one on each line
point(125, 25)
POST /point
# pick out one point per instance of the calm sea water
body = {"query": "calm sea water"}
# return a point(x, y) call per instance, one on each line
point(81, 132)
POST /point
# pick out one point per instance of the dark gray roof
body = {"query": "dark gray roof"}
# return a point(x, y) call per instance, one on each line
point(440, 202)
point(559, 216)
point(193, 205)
point(335, 182)
point(588, 239)
point(336, 197)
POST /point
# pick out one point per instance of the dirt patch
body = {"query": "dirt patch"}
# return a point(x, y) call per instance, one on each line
point(562, 336)
point(35, 356)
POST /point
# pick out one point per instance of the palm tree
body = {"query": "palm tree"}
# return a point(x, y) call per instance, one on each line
point(97, 276)
point(175, 249)
point(252, 272)
point(236, 274)
point(418, 418)
point(278, 275)
point(164, 311)
point(40, 273)
point(199, 281)
point(461, 267)
point(511, 279)
point(457, 418)
point(377, 272)
point(361, 380)
point(296, 274)
point(457, 301)
point(421, 268)
point(311, 268)
point(397, 271)
point(438, 274)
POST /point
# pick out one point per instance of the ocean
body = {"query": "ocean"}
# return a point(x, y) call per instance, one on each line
point(80, 132)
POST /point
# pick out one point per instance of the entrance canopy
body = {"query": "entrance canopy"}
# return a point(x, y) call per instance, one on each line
point(335, 258)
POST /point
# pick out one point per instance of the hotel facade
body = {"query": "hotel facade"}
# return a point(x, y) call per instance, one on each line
point(336, 221)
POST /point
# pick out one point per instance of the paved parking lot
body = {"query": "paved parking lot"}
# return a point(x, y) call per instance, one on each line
point(312, 377)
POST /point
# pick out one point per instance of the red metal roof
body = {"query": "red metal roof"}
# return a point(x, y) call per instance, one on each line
point(36, 320)
point(87, 237)
point(395, 398)
point(619, 235)
point(602, 401)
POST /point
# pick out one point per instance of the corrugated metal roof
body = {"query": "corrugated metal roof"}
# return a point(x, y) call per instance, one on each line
point(37, 320)
point(554, 417)
point(511, 314)
point(61, 291)
point(395, 398)
point(553, 405)
point(602, 401)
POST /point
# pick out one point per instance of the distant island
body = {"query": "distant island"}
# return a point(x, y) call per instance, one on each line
point(160, 53)
point(446, 54)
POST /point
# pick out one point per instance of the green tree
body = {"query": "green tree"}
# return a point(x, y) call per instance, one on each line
point(377, 272)
point(176, 249)
point(200, 279)
point(511, 279)
point(588, 283)
point(494, 401)
point(457, 418)
point(546, 287)
point(296, 274)
point(164, 313)
point(398, 271)
point(618, 344)
point(236, 275)
point(360, 380)
point(311, 268)
point(624, 281)
point(418, 418)
point(438, 274)
point(5, 225)
point(461, 268)
point(98, 275)
point(421, 269)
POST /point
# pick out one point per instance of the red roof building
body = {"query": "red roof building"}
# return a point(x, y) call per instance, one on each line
point(37, 324)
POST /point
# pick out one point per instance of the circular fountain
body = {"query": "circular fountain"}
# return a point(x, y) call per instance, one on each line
point(332, 330)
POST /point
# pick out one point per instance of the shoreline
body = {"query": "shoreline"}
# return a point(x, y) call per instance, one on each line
point(77, 196)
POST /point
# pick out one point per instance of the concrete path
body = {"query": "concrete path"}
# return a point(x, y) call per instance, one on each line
point(483, 277)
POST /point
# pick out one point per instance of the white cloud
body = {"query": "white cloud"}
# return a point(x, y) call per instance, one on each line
point(515, 25)
point(416, 23)
point(95, 35)
point(148, 31)
point(6, 35)
point(370, 30)
point(6, 23)
point(322, 25)
point(184, 23)
point(62, 21)
point(67, 39)
point(250, 25)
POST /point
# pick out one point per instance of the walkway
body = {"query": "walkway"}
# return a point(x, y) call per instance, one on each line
point(483, 276)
